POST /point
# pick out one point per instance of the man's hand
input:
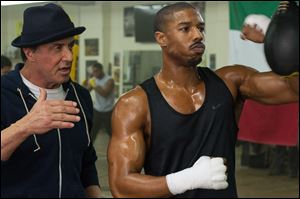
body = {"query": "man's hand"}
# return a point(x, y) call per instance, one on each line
point(206, 173)
point(49, 114)
point(252, 33)
point(255, 28)
point(44, 116)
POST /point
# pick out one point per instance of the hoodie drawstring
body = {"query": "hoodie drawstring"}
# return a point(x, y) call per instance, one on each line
point(85, 120)
point(25, 105)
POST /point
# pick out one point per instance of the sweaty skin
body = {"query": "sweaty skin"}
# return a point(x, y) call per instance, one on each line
point(184, 90)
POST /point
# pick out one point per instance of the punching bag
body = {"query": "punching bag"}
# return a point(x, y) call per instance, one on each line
point(282, 39)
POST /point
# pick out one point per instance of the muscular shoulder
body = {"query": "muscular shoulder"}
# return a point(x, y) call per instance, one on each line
point(131, 109)
point(234, 72)
point(133, 98)
point(234, 76)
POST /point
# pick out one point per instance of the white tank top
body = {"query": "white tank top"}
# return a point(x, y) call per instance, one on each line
point(104, 104)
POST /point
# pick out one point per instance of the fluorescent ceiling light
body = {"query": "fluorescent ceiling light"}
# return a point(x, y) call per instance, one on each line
point(9, 3)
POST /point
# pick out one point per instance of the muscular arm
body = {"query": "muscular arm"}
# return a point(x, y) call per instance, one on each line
point(127, 148)
point(255, 33)
point(264, 87)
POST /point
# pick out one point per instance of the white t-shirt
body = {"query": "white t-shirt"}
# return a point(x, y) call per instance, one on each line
point(52, 94)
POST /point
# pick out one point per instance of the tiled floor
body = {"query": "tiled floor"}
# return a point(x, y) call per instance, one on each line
point(251, 183)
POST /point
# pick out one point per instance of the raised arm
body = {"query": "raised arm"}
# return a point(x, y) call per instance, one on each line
point(127, 148)
point(264, 87)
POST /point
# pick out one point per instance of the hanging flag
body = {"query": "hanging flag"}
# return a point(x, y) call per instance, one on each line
point(246, 52)
point(269, 124)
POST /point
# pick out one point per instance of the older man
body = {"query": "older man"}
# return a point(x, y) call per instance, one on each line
point(45, 117)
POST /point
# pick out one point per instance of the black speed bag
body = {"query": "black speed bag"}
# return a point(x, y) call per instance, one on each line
point(281, 44)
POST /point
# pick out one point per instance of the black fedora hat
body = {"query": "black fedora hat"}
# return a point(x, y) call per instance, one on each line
point(44, 24)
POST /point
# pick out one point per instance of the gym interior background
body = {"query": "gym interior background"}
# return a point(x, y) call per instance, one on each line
point(115, 38)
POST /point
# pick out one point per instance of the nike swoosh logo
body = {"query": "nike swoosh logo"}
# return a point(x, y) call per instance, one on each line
point(214, 107)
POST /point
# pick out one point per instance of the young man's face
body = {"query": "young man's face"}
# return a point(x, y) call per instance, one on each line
point(185, 34)
point(97, 72)
point(52, 62)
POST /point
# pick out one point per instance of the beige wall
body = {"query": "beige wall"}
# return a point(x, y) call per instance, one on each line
point(217, 31)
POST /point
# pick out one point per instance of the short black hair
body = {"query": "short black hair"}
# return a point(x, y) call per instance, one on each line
point(163, 15)
point(98, 65)
point(5, 61)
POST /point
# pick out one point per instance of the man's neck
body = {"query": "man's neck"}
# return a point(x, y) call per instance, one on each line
point(179, 76)
point(34, 79)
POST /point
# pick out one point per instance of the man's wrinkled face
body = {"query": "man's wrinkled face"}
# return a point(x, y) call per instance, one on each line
point(52, 62)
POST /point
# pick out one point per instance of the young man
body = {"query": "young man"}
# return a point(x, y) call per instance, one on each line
point(104, 102)
point(180, 125)
point(45, 117)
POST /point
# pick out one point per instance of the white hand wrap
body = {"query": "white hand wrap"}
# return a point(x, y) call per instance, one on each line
point(206, 173)
point(261, 21)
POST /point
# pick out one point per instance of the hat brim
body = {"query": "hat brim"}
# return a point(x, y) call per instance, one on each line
point(54, 37)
